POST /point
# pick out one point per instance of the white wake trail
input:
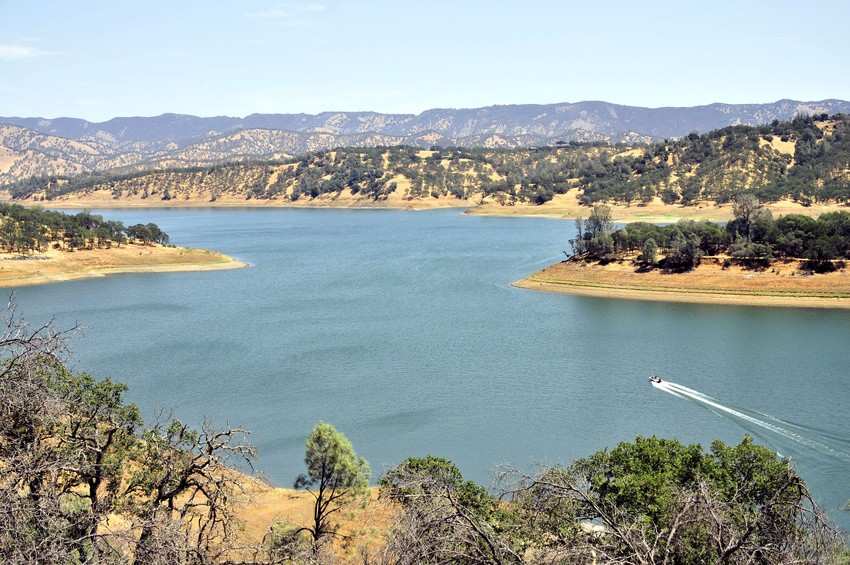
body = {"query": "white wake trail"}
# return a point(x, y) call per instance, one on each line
point(716, 405)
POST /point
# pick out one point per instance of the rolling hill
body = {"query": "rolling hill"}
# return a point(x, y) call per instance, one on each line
point(69, 146)
point(805, 160)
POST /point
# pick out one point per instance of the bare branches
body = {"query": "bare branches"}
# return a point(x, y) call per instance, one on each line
point(79, 483)
point(443, 519)
point(765, 518)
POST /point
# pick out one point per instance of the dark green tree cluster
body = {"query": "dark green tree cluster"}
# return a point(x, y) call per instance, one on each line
point(24, 230)
point(651, 501)
point(753, 238)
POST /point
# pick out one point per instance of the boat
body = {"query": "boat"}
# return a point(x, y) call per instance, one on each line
point(655, 379)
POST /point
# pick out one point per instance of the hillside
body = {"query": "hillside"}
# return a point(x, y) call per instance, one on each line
point(804, 162)
point(66, 146)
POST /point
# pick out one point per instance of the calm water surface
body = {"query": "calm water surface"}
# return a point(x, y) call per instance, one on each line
point(402, 329)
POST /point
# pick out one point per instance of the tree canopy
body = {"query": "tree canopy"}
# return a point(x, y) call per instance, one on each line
point(24, 230)
point(752, 239)
point(335, 477)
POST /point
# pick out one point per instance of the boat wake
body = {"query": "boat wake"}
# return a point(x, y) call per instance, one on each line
point(756, 422)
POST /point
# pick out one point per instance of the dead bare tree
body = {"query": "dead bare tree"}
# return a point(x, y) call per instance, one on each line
point(80, 484)
point(443, 519)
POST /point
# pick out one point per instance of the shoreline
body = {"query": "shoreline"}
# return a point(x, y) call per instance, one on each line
point(561, 207)
point(705, 285)
point(61, 266)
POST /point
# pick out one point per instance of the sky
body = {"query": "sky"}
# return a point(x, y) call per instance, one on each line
point(102, 59)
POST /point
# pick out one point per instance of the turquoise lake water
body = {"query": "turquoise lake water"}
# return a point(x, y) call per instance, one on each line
point(402, 329)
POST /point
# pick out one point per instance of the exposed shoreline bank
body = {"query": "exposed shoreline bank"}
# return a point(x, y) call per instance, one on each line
point(708, 284)
point(562, 206)
point(59, 266)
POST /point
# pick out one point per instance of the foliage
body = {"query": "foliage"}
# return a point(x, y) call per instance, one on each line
point(659, 501)
point(335, 476)
point(753, 239)
point(83, 481)
point(25, 230)
point(444, 519)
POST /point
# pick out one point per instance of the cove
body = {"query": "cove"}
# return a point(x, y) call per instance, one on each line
point(402, 329)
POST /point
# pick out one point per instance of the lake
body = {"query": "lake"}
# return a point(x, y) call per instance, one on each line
point(401, 329)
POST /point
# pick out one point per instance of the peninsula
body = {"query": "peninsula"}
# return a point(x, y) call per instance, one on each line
point(39, 246)
point(784, 284)
point(55, 266)
point(794, 260)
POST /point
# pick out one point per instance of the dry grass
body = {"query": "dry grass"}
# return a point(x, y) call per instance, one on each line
point(54, 265)
point(564, 206)
point(395, 200)
point(782, 284)
point(362, 527)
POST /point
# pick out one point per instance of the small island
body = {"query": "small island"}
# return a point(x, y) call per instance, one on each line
point(757, 260)
point(40, 246)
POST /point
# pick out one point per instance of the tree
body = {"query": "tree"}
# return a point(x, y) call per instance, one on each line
point(79, 481)
point(650, 251)
point(578, 244)
point(752, 220)
point(444, 519)
point(659, 501)
point(682, 252)
point(599, 222)
point(335, 477)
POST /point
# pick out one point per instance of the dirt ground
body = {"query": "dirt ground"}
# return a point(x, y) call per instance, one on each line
point(364, 527)
point(54, 265)
point(781, 284)
point(562, 206)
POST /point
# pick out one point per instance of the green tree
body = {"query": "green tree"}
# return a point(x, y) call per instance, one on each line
point(664, 502)
point(599, 222)
point(335, 477)
point(443, 518)
point(683, 251)
point(650, 251)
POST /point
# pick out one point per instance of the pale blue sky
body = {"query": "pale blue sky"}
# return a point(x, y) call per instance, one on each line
point(102, 59)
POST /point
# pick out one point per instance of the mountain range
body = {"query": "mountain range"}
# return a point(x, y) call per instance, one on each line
point(69, 146)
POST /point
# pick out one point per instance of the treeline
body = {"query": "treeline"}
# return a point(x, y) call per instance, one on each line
point(25, 230)
point(84, 480)
point(753, 238)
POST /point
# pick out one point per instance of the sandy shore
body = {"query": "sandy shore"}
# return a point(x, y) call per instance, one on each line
point(566, 206)
point(562, 206)
point(56, 266)
point(783, 285)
